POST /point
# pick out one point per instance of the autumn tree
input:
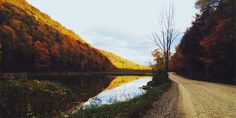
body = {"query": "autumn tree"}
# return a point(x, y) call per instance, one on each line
point(158, 58)
point(42, 55)
point(8, 41)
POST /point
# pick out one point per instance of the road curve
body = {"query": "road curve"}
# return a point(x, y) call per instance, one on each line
point(198, 99)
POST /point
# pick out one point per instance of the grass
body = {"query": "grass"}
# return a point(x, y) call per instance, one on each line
point(131, 108)
point(26, 98)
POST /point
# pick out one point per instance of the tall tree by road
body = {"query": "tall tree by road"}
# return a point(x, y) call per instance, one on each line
point(164, 38)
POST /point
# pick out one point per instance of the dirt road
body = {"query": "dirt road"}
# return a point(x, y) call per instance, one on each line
point(196, 99)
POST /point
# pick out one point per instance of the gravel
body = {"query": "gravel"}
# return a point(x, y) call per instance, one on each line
point(194, 99)
point(166, 105)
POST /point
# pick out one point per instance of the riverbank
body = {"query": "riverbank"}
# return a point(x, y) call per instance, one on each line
point(127, 109)
point(52, 96)
point(14, 75)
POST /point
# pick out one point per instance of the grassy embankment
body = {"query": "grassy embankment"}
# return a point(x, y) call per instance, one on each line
point(33, 98)
point(131, 108)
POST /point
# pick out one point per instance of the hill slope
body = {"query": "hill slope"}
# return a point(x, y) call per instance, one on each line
point(122, 63)
point(32, 41)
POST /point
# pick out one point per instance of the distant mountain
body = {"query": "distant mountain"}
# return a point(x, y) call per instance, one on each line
point(31, 41)
point(122, 63)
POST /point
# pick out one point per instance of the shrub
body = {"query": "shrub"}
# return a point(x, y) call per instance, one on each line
point(28, 98)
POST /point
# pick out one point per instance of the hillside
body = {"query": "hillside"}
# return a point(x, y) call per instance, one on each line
point(122, 63)
point(32, 41)
point(207, 50)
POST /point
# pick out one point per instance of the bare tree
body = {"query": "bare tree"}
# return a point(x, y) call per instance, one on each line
point(167, 34)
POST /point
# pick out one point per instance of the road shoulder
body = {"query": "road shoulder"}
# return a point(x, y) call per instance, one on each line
point(166, 105)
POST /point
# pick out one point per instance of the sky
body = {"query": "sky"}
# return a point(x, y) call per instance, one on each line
point(118, 26)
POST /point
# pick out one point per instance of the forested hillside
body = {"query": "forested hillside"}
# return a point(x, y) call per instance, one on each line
point(122, 63)
point(207, 50)
point(31, 41)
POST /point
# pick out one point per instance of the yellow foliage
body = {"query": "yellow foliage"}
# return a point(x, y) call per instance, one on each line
point(42, 17)
point(45, 20)
point(120, 80)
point(122, 63)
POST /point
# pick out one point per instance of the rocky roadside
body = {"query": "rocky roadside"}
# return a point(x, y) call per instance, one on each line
point(166, 105)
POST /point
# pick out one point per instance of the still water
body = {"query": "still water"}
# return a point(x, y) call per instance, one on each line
point(120, 91)
point(51, 94)
point(102, 89)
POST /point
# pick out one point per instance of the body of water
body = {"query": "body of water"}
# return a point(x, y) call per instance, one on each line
point(102, 89)
point(50, 95)
point(124, 91)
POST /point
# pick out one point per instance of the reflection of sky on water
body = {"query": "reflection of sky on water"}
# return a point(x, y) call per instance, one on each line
point(120, 93)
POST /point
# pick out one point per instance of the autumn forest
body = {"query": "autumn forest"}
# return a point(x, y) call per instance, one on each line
point(47, 70)
point(207, 50)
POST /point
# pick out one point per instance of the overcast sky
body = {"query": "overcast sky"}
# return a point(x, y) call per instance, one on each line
point(118, 26)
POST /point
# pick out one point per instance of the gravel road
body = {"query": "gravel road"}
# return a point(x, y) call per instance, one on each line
point(195, 99)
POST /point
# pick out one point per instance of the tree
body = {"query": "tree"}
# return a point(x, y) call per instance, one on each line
point(160, 75)
point(206, 5)
point(168, 33)
point(42, 55)
point(158, 59)
point(207, 49)
point(8, 42)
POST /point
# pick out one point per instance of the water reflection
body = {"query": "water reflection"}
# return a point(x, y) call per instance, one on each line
point(120, 80)
point(102, 89)
point(120, 89)
point(48, 95)
point(83, 86)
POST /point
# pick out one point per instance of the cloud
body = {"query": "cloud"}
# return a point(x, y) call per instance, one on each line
point(119, 26)
point(127, 45)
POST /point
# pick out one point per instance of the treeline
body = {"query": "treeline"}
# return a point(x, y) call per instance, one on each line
point(32, 41)
point(207, 49)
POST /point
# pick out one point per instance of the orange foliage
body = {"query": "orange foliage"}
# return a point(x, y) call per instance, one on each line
point(42, 57)
point(42, 43)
